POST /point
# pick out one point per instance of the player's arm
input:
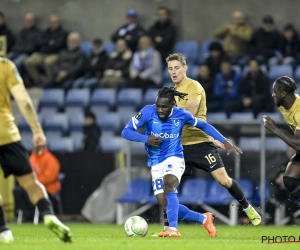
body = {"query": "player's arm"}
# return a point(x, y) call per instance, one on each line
point(27, 109)
point(292, 140)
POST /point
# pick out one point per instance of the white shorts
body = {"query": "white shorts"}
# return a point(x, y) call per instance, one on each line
point(172, 165)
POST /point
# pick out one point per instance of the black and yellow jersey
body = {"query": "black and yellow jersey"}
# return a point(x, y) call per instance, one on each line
point(190, 134)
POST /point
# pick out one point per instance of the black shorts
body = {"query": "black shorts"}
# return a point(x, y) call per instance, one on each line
point(14, 159)
point(203, 156)
point(296, 157)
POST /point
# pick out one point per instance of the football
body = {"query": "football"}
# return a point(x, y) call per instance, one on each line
point(136, 226)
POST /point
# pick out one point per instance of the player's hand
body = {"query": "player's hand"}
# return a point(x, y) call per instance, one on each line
point(39, 141)
point(269, 123)
point(218, 144)
point(230, 146)
point(154, 141)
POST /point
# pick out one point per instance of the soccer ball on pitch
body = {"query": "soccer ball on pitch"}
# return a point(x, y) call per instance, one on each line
point(136, 226)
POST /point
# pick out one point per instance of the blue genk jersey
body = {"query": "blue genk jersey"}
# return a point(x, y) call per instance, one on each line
point(169, 130)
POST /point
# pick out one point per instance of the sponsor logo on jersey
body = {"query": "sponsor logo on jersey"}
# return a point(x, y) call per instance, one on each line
point(165, 135)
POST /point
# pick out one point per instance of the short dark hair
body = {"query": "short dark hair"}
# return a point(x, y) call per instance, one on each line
point(89, 114)
point(165, 9)
point(170, 92)
point(215, 46)
point(97, 41)
point(286, 84)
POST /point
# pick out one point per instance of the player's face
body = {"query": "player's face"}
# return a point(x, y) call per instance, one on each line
point(277, 95)
point(163, 107)
point(177, 71)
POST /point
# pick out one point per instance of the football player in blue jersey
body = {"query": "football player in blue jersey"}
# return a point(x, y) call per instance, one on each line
point(163, 123)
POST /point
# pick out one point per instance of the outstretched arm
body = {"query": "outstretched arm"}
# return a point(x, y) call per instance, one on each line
point(292, 140)
point(213, 132)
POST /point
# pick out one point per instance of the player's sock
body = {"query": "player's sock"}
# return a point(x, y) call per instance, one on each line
point(172, 209)
point(166, 223)
point(45, 206)
point(188, 215)
point(236, 191)
point(3, 225)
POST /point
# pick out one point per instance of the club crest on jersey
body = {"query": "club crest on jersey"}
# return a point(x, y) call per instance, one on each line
point(138, 115)
point(176, 122)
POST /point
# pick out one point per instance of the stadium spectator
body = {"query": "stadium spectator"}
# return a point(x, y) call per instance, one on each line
point(236, 36)
point(7, 39)
point(145, 68)
point(226, 88)
point(278, 193)
point(131, 31)
point(266, 41)
point(254, 92)
point(46, 168)
point(52, 41)
point(289, 48)
point(116, 72)
point(91, 132)
point(163, 32)
point(94, 67)
point(215, 57)
point(69, 65)
point(26, 41)
point(207, 81)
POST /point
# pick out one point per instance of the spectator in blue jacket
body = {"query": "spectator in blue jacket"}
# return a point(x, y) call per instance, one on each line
point(226, 88)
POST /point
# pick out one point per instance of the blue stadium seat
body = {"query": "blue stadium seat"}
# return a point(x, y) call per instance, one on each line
point(136, 191)
point(248, 116)
point(56, 123)
point(52, 98)
point(193, 191)
point(297, 73)
point(126, 117)
point(109, 122)
point(189, 48)
point(27, 140)
point(204, 51)
point(61, 144)
point(86, 48)
point(275, 143)
point(130, 97)
point(193, 71)
point(77, 98)
point(103, 98)
point(52, 134)
point(249, 143)
point(77, 137)
point(217, 195)
point(280, 70)
point(150, 96)
point(109, 47)
point(23, 125)
point(76, 122)
point(111, 144)
point(166, 75)
point(217, 116)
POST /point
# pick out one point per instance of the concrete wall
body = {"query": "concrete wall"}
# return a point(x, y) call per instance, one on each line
point(195, 19)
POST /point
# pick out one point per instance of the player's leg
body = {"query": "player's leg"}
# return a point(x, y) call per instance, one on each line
point(5, 234)
point(38, 196)
point(221, 176)
point(291, 178)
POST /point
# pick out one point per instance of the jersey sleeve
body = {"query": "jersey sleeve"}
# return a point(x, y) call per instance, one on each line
point(195, 92)
point(13, 76)
point(207, 128)
point(141, 118)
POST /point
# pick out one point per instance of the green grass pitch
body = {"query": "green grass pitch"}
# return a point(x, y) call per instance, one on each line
point(90, 237)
